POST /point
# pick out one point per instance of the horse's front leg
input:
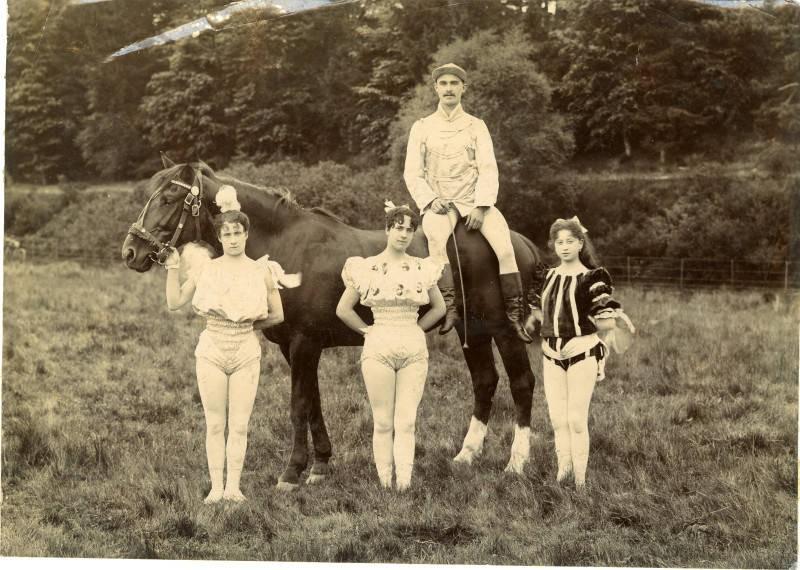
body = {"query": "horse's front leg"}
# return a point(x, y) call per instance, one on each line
point(522, 381)
point(480, 362)
point(304, 354)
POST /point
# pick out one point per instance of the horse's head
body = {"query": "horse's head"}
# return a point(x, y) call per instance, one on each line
point(177, 212)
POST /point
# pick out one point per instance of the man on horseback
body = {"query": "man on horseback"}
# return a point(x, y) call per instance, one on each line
point(451, 172)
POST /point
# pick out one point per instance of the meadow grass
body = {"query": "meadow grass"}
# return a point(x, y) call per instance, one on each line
point(693, 455)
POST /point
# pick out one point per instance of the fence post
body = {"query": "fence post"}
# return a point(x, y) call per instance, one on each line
point(681, 286)
point(731, 272)
point(628, 267)
point(785, 275)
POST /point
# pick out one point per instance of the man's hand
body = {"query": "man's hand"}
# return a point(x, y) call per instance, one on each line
point(439, 206)
point(474, 219)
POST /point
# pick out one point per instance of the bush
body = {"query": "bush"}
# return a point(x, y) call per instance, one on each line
point(356, 197)
point(778, 159)
point(95, 219)
point(25, 213)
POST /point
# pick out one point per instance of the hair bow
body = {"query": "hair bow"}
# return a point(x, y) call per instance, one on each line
point(388, 206)
point(576, 220)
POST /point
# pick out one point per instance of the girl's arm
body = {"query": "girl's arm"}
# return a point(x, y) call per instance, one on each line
point(177, 295)
point(436, 312)
point(274, 306)
point(345, 310)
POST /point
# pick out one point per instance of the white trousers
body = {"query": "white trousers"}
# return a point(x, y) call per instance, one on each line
point(227, 400)
point(394, 396)
point(438, 227)
point(569, 394)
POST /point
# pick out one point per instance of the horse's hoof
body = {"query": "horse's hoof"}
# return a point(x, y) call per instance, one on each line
point(314, 479)
point(319, 472)
point(286, 486)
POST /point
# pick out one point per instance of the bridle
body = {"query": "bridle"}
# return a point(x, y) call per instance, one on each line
point(191, 205)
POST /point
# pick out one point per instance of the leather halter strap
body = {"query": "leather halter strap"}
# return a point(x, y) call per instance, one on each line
point(191, 205)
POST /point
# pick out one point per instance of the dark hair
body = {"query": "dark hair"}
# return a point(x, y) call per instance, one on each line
point(587, 254)
point(231, 217)
point(396, 215)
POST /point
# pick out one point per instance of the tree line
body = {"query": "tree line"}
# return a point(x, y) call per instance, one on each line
point(625, 77)
point(335, 90)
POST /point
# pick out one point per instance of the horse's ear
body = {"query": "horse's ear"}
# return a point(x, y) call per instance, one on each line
point(165, 160)
point(205, 167)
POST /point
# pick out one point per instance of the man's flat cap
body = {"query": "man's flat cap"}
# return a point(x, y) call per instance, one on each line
point(450, 68)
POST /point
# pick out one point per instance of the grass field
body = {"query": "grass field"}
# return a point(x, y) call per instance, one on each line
point(693, 456)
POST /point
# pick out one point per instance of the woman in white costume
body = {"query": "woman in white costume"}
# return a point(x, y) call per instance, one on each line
point(394, 361)
point(231, 292)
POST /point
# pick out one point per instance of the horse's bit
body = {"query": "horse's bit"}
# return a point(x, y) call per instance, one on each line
point(191, 203)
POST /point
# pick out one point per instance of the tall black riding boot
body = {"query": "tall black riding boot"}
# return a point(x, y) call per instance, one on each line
point(511, 287)
point(449, 294)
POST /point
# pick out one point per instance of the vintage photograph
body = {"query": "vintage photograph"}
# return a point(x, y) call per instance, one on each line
point(443, 282)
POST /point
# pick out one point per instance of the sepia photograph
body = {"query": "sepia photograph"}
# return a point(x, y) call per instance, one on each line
point(434, 282)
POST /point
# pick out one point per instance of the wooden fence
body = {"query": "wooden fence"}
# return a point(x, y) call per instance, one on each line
point(673, 272)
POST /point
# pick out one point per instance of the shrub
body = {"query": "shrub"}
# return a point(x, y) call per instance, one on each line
point(26, 213)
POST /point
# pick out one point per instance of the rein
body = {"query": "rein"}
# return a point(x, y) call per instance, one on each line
point(191, 205)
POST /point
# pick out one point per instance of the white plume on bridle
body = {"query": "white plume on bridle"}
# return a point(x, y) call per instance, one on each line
point(226, 199)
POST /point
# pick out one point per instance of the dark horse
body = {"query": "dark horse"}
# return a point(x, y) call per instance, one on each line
point(316, 244)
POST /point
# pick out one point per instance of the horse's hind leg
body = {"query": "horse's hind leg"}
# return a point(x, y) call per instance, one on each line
point(480, 362)
point(522, 381)
point(304, 354)
point(319, 437)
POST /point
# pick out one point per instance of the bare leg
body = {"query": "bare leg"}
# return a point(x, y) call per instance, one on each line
point(213, 385)
point(555, 390)
point(581, 378)
point(380, 381)
point(408, 394)
point(241, 395)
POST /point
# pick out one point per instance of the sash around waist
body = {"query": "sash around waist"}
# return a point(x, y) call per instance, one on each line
point(226, 327)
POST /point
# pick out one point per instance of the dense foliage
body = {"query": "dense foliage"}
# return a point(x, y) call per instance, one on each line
point(623, 76)
point(322, 101)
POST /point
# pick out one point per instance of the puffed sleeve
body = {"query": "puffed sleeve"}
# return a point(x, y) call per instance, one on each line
point(600, 289)
point(431, 272)
point(280, 278)
point(353, 274)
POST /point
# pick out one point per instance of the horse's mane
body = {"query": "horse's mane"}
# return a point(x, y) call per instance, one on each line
point(283, 194)
point(327, 213)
